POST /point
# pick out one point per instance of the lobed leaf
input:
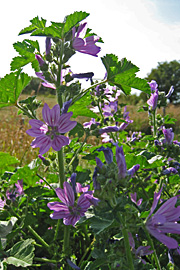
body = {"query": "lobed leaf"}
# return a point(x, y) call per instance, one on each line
point(123, 74)
point(73, 19)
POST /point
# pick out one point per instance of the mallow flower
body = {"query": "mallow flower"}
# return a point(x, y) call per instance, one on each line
point(153, 84)
point(49, 134)
point(68, 209)
point(86, 45)
point(164, 221)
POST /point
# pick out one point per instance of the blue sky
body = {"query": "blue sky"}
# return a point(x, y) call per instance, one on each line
point(144, 31)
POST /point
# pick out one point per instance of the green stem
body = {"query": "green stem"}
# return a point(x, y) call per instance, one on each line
point(126, 243)
point(61, 167)
point(66, 249)
point(38, 237)
point(44, 260)
point(85, 253)
point(45, 182)
point(57, 229)
point(154, 123)
point(154, 254)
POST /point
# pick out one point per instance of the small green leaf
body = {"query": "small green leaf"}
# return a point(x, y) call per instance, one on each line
point(5, 229)
point(21, 254)
point(99, 224)
point(11, 87)
point(73, 19)
point(122, 74)
point(6, 160)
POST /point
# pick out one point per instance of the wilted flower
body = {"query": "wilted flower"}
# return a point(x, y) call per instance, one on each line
point(110, 109)
point(2, 204)
point(152, 102)
point(68, 209)
point(90, 123)
point(141, 251)
point(133, 197)
point(86, 45)
point(169, 170)
point(87, 76)
point(40, 60)
point(121, 163)
point(164, 221)
point(12, 194)
point(108, 154)
point(48, 134)
point(66, 106)
point(45, 83)
point(48, 45)
point(171, 90)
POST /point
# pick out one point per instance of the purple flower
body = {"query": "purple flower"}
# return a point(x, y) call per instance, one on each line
point(68, 209)
point(48, 45)
point(133, 197)
point(164, 221)
point(153, 84)
point(66, 106)
point(141, 251)
point(107, 153)
point(168, 134)
point(45, 83)
point(152, 102)
point(19, 187)
point(176, 142)
point(121, 163)
point(108, 129)
point(110, 109)
point(106, 138)
point(48, 134)
point(2, 204)
point(73, 265)
point(169, 170)
point(40, 60)
point(171, 90)
point(86, 45)
point(90, 123)
point(87, 76)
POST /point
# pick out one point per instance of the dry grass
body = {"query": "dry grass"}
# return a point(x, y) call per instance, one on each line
point(15, 140)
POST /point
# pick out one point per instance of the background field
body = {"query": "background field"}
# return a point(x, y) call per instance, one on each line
point(13, 127)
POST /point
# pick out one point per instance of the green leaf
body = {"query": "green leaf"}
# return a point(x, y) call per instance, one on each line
point(73, 19)
point(80, 107)
point(6, 160)
point(11, 87)
point(35, 24)
point(78, 129)
point(29, 176)
point(21, 61)
point(5, 229)
point(21, 254)
point(123, 74)
point(99, 224)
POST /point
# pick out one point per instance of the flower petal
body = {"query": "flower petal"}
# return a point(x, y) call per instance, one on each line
point(43, 142)
point(65, 124)
point(59, 141)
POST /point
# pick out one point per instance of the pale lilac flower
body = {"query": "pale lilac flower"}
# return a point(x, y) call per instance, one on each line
point(168, 134)
point(153, 84)
point(48, 134)
point(108, 129)
point(68, 209)
point(152, 102)
point(110, 109)
point(86, 45)
point(90, 123)
point(106, 138)
point(48, 45)
point(19, 187)
point(171, 90)
point(122, 167)
point(164, 221)
point(45, 83)
point(2, 204)
point(40, 60)
point(133, 197)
